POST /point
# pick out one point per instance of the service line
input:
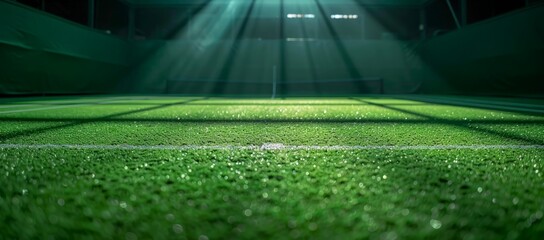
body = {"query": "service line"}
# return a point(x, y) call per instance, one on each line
point(90, 102)
point(265, 147)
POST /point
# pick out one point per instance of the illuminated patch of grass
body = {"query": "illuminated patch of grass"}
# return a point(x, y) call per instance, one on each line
point(272, 194)
point(69, 193)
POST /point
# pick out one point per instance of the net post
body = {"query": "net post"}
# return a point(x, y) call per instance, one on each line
point(453, 14)
point(91, 13)
point(274, 81)
point(131, 22)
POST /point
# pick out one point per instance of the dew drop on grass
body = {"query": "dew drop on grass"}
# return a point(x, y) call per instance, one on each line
point(292, 224)
point(435, 224)
point(312, 226)
point(248, 212)
point(130, 236)
point(170, 217)
point(538, 215)
point(177, 228)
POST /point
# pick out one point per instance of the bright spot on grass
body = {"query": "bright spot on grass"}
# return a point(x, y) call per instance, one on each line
point(203, 237)
point(435, 224)
point(60, 202)
point(248, 212)
point(515, 201)
point(177, 228)
point(312, 226)
point(170, 217)
point(480, 189)
point(272, 146)
point(265, 195)
point(538, 215)
point(130, 236)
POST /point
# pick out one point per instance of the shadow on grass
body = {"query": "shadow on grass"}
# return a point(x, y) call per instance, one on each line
point(419, 119)
point(277, 120)
point(204, 104)
point(462, 124)
point(529, 109)
point(519, 108)
point(80, 121)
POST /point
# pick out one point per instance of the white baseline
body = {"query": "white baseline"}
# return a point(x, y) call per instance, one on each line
point(265, 147)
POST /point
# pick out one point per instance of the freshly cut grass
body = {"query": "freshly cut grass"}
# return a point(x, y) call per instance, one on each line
point(272, 194)
point(266, 193)
point(182, 121)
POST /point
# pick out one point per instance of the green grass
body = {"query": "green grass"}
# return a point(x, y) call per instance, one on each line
point(115, 193)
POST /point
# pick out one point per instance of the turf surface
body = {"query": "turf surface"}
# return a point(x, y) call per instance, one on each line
point(115, 192)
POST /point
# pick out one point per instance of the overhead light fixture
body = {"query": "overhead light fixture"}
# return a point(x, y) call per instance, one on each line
point(344, 16)
point(300, 16)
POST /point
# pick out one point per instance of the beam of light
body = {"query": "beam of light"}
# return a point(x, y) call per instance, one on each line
point(217, 45)
point(406, 61)
point(191, 43)
point(300, 16)
point(306, 63)
point(408, 57)
point(347, 60)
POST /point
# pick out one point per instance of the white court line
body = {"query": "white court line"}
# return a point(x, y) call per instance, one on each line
point(262, 147)
point(45, 108)
point(470, 103)
point(87, 103)
point(18, 105)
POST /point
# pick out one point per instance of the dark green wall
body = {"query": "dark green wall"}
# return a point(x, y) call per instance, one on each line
point(503, 55)
point(253, 62)
point(41, 53)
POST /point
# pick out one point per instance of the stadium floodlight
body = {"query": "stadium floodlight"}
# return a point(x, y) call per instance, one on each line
point(213, 52)
point(300, 16)
point(344, 16)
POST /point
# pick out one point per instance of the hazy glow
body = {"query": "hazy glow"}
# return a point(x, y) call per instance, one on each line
point(293, 15)
point(344, 16)
point(300, 39)
point(233, 44)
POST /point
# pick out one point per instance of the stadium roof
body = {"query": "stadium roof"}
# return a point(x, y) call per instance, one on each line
point(366, 2)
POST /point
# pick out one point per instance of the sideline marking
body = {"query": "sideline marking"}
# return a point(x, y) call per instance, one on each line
point(68, 105)
point(264, 147)
point(478, 104)
point(18, 105)
point(45, 108)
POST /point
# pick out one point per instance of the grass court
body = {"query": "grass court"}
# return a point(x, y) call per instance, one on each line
point(379, 167)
